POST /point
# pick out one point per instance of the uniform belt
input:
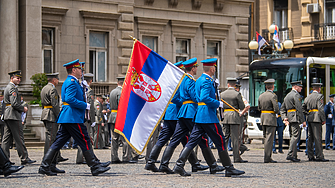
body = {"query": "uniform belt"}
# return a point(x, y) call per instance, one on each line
point(114, 110)
point(48, 107)
point(279, 115)
point(170, 102)
point(188, 102)
point(268, 111)
point(313, 110)
point(229, 110)
point(201, 103)
point(292, 110)
point(65, 103)
point(8, 104)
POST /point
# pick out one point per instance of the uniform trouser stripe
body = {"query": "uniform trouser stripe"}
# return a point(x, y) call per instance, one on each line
point(205, 140)
point(81, 132)
point(217, 131)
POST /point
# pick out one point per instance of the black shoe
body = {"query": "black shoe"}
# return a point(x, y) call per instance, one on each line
point(322, 160)
point(158, 161)
point(104, 164)
point(96, 170)
point(180, 163)
point(311, 159)
point(217, 168)
point(8, 171)
point(132, 161)
point(27, 161)
point(61, 159)
point(141, 156)
point(116, 162)
point(281, 152)
point(292, 159)
point(96, 167)
point(327, 148)
point(230, 170)
point(198, 167)
point(152, 167)
point(241, 161)
point(165, 169)
point(298, 150)
point(179, 170)
point(274, 152)
point(48, 161)
point(84, 162)
point(56, 170)
point(272, 161)
point(11, 163)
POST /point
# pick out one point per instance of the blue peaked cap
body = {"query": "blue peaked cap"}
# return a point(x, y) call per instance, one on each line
point(178, 63)
point(190, 62)
point(74, 63)
point(209, 62)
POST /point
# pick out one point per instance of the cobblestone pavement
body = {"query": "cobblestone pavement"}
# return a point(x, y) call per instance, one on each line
point(258, 174)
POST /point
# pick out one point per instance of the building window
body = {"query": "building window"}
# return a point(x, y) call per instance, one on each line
point(47, 49)
point(151, 42)
point(213, 51)
point(182, 49)
point(98, 56)
point(280, 17)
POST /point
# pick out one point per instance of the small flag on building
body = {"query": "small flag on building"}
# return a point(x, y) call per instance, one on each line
point(261, 41)
point(276, 36)
point(149, 85)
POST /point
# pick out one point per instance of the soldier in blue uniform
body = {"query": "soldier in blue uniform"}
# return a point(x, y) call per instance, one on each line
point(71, 120)
point(206, 121)
point(169, 126)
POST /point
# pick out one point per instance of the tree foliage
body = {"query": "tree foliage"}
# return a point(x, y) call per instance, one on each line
point(39, 81)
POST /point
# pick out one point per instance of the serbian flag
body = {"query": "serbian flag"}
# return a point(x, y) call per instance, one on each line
point(261, 41)
point(276, 36)
point(149, 86)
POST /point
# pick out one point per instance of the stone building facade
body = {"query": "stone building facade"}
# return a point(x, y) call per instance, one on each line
point(41, 35)
point(309, 23)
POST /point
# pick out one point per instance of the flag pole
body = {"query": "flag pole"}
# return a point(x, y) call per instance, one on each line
point(133, 38)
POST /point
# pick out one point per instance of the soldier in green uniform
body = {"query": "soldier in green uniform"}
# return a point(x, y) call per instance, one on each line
point(2, 110)
point(268, 105)
point(99, 122)
point(12, 117)
point(314, 110)
point(292, 115)
point(232, 119)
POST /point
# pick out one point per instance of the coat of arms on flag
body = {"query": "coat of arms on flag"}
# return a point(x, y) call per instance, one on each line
point(149, 86)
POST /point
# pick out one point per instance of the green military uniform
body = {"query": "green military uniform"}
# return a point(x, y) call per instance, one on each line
point(268, 105)
point(12, 117)
point(2, 110)
point(232, 120)
point(314, 110)
point(98, 140)
point(292, 110)
point(114, 99)
point(105, 131)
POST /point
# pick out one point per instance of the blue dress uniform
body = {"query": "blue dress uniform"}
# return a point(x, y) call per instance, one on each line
point(169, 126)
point(279, 129)
point(330, 122)
point(71, 120)
point(206, 121)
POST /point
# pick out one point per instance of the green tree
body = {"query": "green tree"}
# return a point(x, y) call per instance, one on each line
point(39, 81)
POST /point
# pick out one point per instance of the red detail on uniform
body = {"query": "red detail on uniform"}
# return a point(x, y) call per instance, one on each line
point(209, 64)
point(190, 65)
point(186, 139)
point(14, 94)
point(147, 88)
point(217, 131)
point(81, 132)
point(138, 58)
point(206, 141)
point(74, 65)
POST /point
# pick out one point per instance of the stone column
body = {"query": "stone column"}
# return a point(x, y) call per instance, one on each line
point(9, 39)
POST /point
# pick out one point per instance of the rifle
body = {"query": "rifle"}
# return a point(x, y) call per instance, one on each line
point(217, 94)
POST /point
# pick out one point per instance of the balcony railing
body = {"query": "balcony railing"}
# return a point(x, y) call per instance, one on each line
point(284, 33)
point(324, 31)
point(102, 88)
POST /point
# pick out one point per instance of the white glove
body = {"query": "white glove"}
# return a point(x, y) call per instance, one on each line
point(88, 106)
point(276, 115)
point(93, 124)
point(221, 104)
point(217, 82)
point(85, 83)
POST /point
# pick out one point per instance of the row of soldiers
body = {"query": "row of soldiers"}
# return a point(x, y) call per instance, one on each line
point(293, 113)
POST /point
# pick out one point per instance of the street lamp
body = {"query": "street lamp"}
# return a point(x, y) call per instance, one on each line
point(276, 48)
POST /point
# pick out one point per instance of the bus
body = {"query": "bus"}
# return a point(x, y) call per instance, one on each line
point(285, 71)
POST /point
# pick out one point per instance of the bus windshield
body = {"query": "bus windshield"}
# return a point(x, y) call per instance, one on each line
point(283, 75)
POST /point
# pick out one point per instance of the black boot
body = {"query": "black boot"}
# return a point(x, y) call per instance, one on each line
point(46, 163)
point(6, 166)
point(152, 159)
point(179, 168)
point(53, 167)
point(230, 170)
point(105, 164)
point(95, 165)
point(164, 167)
point(209, 157)
point(196, 166)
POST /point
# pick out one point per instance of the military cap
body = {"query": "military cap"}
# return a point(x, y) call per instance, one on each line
point(120, 78)
point(88, 75)
point(191, 62)
point(53, 75)
point(179, 64)
point(1, 93)
point(15, 73)
point(209, 62)
point(229, 79)
point(74, 63)
point(316, 84)
point(82, 65)
point(332, 95)
point(298, 83)
point(238, 83)
point(270, 81)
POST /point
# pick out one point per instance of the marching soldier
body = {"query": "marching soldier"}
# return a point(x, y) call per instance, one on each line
point(50, 105)
point(206, 121)
point(2, 110)
point(12, 117)
point(292, 114)
point(232, 119)
point(314, 110)
point(114, 99)
point(99, 122)
point(268, 105)
point(71, 119)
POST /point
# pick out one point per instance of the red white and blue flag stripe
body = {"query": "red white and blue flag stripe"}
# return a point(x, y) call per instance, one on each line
point(261, 41)
point(276, 36)
point(149, 85)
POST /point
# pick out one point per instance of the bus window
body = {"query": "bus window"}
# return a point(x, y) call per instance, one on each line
point(318, 71)
point(332, 79)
